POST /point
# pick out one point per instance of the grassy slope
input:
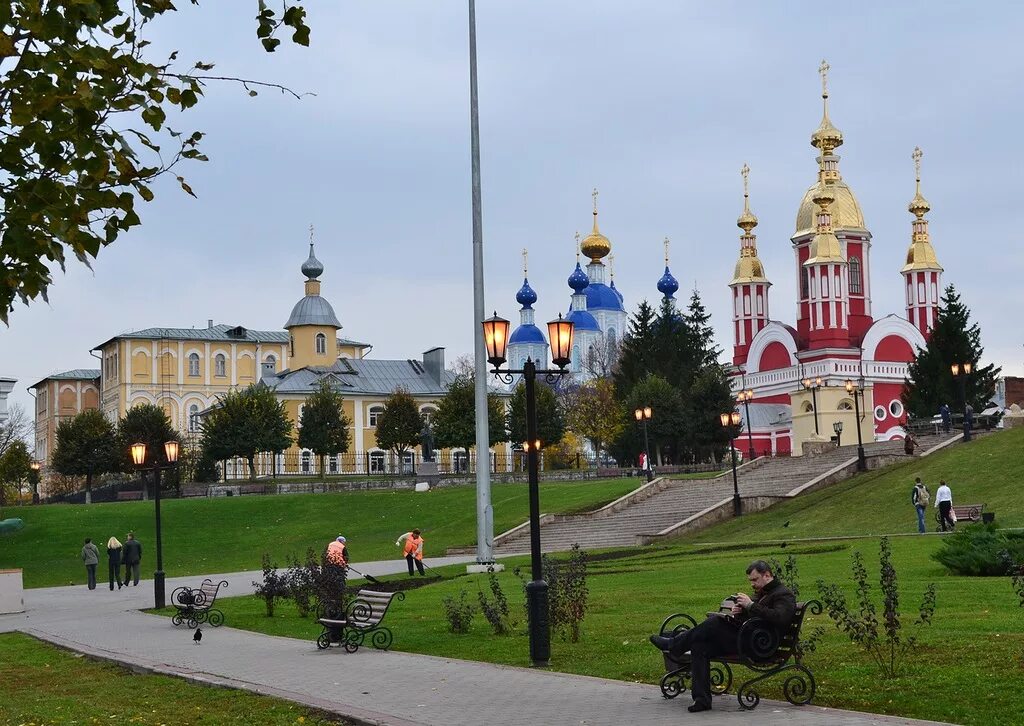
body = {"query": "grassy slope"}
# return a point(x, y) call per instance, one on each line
point(988, 470)
point(232, 533)
point(45, 685)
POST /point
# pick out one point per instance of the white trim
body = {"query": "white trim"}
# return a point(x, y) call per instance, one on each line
point(773, 332)
point(891, 325)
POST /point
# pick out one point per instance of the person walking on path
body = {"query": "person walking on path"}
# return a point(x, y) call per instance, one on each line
point(944, 501)
point(413, 550)
point(947, 417)
point(114, 562)
point(131, 558)
point(772, 602)
point(968, 421)
point(919, 497)
point(909, 442)
point(337, 552)
point(91, 558)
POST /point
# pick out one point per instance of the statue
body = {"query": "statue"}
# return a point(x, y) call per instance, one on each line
point(427, 442)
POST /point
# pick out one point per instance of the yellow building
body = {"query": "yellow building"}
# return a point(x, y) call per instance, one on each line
point(58, 397)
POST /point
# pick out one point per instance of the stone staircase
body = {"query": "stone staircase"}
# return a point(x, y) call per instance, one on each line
point(657, 509)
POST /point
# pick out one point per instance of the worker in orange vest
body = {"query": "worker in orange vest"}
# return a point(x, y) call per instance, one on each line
point(413, 550)
point(337, 552)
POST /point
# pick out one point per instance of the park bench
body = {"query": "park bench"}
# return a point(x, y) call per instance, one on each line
point(128, 496)
point(759, 646)
point(349, 625)
point(963, 513)
point(195, 604)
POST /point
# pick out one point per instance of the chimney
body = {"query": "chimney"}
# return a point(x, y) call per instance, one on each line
point(433, 362)
point(267, 369)
point(209, 324)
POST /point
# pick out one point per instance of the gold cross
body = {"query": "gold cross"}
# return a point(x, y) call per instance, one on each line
point(577, 245)
point(823, 69)
point(311, 234)
point(916, 156)
point(666, 252)
point(594, 195)
point(611, 265)
point(745, 171)
point(524, 262)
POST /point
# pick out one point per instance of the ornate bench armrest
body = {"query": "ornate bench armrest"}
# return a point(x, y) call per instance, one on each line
point(677, 622)
point(757, 640)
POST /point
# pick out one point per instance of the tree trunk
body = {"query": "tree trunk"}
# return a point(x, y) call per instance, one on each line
point(252, 467)
point(145, 487)
point(88, 488)
point(323, 468)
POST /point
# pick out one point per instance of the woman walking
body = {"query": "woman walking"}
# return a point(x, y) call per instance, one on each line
point(114, 562)
point(91, 558)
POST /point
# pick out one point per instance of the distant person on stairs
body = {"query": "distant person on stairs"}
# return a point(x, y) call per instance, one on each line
point(947, 417)
point(944, 501)
point(909, 442)
point(919, 497)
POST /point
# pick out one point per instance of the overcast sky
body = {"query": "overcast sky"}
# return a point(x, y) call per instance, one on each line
point(657, 104)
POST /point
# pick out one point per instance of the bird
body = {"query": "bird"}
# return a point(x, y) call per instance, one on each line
point(198, 636)
point(786, 524)
point(784, 544)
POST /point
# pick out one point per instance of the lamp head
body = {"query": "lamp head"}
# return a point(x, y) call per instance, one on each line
point(647, 412)
point(734, 418)
point(807, 383)
point(967, 368)
point(560, 335)
point(639, 414)
point(171, 449)
point(34, 466)
point(837, 427)
point(724, 418)
point(849, 386)
point(139, 454)
point(496, 339)
point(955, 368)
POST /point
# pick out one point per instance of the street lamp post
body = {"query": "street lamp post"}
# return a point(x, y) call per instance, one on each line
point(560, 333)
point(837, 426)
point(33, 478)
point(745, 398)
point(812, 385)
point(733, 420)
point(644, 415)
point(139, 458)
point(858, 393)
point(960, 373)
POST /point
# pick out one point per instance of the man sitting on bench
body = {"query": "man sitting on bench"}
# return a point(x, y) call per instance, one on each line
point(717, 636)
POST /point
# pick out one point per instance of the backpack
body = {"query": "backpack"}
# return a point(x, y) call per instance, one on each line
point(921, 495)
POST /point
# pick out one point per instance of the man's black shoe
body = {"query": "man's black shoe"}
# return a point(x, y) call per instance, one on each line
point(697, 707)
point(661, 642)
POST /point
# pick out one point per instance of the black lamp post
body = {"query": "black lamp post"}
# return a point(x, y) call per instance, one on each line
point(139, 458)
point(644, 415)
point(730, 421)
point(812, 385)
point(960, 373)
point(837, 426)
point(745, 397)
point(33, 479)
point(858, 393)
point(560, 334)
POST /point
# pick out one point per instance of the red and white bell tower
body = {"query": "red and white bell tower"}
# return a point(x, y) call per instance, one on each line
point(922, 274)
point(749, 284)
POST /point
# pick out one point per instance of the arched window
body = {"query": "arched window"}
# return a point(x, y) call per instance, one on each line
point(845, 406)
point(321, 343)
point(193, 418)
point(193, 364)
point(855, 280)
point(375, 412)
point(220, 365)
point(805, 283)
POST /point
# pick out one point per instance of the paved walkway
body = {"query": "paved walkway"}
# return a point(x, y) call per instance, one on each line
point(374, 687)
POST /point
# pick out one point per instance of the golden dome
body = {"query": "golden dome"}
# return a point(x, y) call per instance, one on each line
point(595, 245)
point(921, 255)
point(748, 269)
point(845, 209)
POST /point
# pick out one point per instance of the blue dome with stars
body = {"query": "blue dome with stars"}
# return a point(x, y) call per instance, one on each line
point(578, 280)
point(526, 295)
point(668, 284)
point(582, 320)
point(527, 334)
point(601, 296)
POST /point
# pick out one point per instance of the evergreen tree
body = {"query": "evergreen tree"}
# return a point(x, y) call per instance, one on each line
point(703, 437)
point(664, 427)
point(245, 423)
point(455, 421)
point(677, 352)
point(399, 424)
point(323, 425)
point(699, 321)
point(636, 351)
point(954, 339)
point(550, 421)
point(88, 446)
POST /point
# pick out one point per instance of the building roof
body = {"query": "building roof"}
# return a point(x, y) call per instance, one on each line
point(221, 332)
point(313, 310)
point(363, 376)
point(767, 415)
point(528, 333)
point(602, 297)
point(75, 374)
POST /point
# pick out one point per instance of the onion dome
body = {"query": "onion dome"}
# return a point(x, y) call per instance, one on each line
point(595, 245)
point(583, 321)
point(825, 247)
point(668, 284)
point(748, 267)
point(921, 255)
point(312, 268)
point(578, 280)
point(827, 137)
point(526, 295)
point(527, 333)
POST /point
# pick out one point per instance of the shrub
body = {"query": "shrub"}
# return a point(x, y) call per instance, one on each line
point(301, 585)
point(458, 613)
point(274, 585)
point(328, 581)
point(567, 592)
point(496, 610)
point(861, 625)
point(977, 550)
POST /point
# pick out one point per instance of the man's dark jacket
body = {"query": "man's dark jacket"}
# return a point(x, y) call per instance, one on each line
point(132, 552)
point(775, 604)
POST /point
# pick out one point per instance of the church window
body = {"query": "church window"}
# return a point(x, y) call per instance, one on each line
point(805, 283)
point(321, 343)
point(910, 293)
point(375, 412)
point(845, 406)
point(837, 286)
point(896, 408)
point(855, 280)
point(920, 292)
point(193, 418)
point(114, 376)
point(737, 305)
point(746, 304)
point(824, 286)
point(193, 364)
point(220, 365)
point(760, 304)
point(880, 413)
point(935, 292)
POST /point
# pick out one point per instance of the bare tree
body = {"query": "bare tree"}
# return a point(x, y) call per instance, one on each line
point(602, 357)
point(17, 427)
point(464, 365)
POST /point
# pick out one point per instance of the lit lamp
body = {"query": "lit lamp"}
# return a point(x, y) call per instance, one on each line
point(730, 421)
point(858, 393)
point(560, 336)
point(34, 480)
point(960, 373)
point(745, 397)
point(171, 450)
point(643, 415)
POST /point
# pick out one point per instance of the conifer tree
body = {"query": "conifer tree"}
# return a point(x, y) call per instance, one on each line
point(323, 425)
point(637, 350)
point(954, 339)
point(699, 320)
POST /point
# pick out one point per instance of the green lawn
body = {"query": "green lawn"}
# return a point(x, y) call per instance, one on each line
point(46, 685)
point(988, 470)
point(231, 534)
